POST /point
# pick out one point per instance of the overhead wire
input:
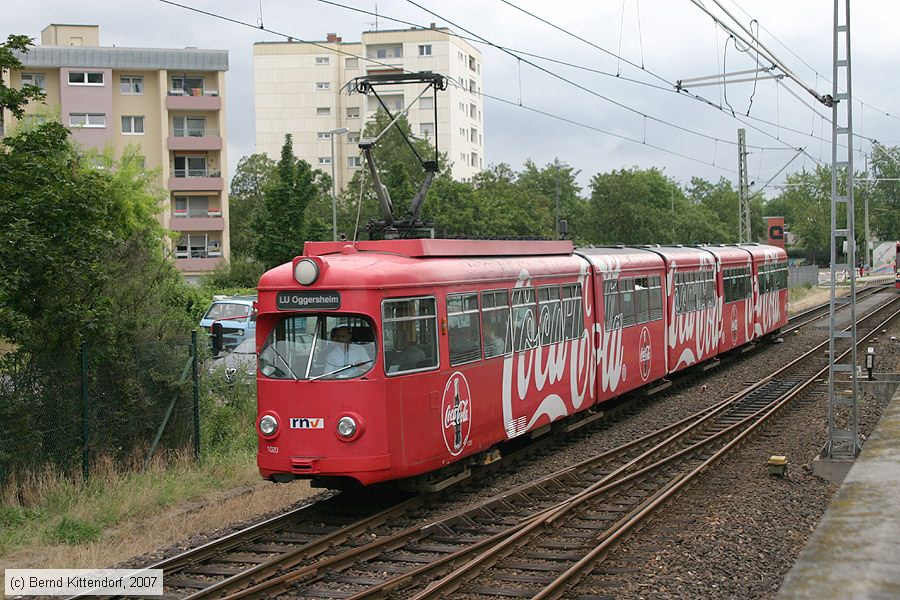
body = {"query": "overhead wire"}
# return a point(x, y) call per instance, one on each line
point(809, 66)
point(575, 83)
point(450, 80)
point(669, 87)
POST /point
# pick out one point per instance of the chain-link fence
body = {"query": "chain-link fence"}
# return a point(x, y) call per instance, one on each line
point(67, 412)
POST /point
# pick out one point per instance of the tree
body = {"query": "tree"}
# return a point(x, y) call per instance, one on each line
point(806, 204)
point(15, 100)
point(546, 181)
point(633, 206)
point(253, 174)
point(280, 223)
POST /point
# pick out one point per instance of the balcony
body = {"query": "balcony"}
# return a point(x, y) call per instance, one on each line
point(193, 99)
point(195, 139)
point(195, 180)
point(192, 265)
point(189, 220)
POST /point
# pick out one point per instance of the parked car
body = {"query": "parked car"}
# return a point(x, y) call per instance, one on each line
point(237, 317)
point(240, 360)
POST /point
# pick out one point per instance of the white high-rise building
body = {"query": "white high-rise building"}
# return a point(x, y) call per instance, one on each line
point(300, 89)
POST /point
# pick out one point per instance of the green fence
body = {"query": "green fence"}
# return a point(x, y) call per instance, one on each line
point(68, 411)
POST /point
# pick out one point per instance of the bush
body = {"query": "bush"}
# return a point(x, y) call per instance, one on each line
point(74, 531)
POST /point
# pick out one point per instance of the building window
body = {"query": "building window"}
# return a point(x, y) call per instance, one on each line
point(129, 84)
point(187, 86)
point(323, 85)
point(471, 62)
point(87, 120)
point(426, 129)
point(191, 166)
point(459, 55)
point(323, 60)
point(354, 162)
point(191, 207)
point(426, 103)
point(352, 112)
point(35, 79)
point(352, 138)
point(473, 137)
point(189, 126)
point(197, 245)
point(323, 135)
point(425, 50)
point(133, 125)
point(474, 159)
point(462, 107)
point(85, 78)
point(351, 63)
point(323, 111)
point(324, 160)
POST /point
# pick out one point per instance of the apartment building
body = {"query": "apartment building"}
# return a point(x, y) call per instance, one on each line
point(300, 89)
point(168, 102)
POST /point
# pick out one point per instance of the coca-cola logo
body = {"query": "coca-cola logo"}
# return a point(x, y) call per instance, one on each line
point(456, 413)
point(646, 353)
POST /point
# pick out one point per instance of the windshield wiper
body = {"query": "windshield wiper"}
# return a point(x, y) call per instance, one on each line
point(278, 354)
point(344, 368)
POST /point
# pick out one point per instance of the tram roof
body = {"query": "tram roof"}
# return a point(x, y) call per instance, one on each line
point(432, 248)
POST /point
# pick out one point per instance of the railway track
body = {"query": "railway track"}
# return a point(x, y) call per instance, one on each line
point(538, 539)
point(811, 315)
point(304, 537)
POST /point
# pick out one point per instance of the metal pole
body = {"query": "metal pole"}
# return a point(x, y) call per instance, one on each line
point(333, 194)
point(556, 162)
point(843, 420)
point(85, 429)
point(196, 393)
point(744, 226)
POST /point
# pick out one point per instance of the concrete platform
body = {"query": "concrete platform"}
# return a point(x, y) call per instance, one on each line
point(855, 550)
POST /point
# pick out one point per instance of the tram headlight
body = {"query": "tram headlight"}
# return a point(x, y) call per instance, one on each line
point(346, 427)
point(268, 425)
point(306, 271)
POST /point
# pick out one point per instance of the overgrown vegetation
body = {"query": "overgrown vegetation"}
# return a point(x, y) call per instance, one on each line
point(83, 262)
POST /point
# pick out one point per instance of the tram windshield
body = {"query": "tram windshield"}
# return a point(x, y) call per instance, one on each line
point(319, 347)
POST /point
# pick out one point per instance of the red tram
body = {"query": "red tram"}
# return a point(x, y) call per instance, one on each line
point(385, 360)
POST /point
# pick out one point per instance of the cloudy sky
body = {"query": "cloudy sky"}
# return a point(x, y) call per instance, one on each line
point(656, 127)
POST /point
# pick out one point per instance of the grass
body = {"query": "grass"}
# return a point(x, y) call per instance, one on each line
point(50, 509)
point(47, 508)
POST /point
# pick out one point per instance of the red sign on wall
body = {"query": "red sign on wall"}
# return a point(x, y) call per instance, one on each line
point(775, 228)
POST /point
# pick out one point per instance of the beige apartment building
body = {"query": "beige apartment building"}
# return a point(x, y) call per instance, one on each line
point(168, 102)
point(299, 88)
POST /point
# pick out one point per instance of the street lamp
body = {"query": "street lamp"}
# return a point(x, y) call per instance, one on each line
point(331, 134)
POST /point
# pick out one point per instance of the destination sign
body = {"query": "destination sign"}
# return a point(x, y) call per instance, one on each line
point(317, 300)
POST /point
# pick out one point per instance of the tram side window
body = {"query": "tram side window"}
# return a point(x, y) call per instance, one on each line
point(573, 313)
point(525, 326)
point(464, 328)
point(709, 288)
point(550, 315)
point(612, 312)
point(626, 292)
point(495, 317)
point(410, 335)
point(655, 294)
point(641, 299)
